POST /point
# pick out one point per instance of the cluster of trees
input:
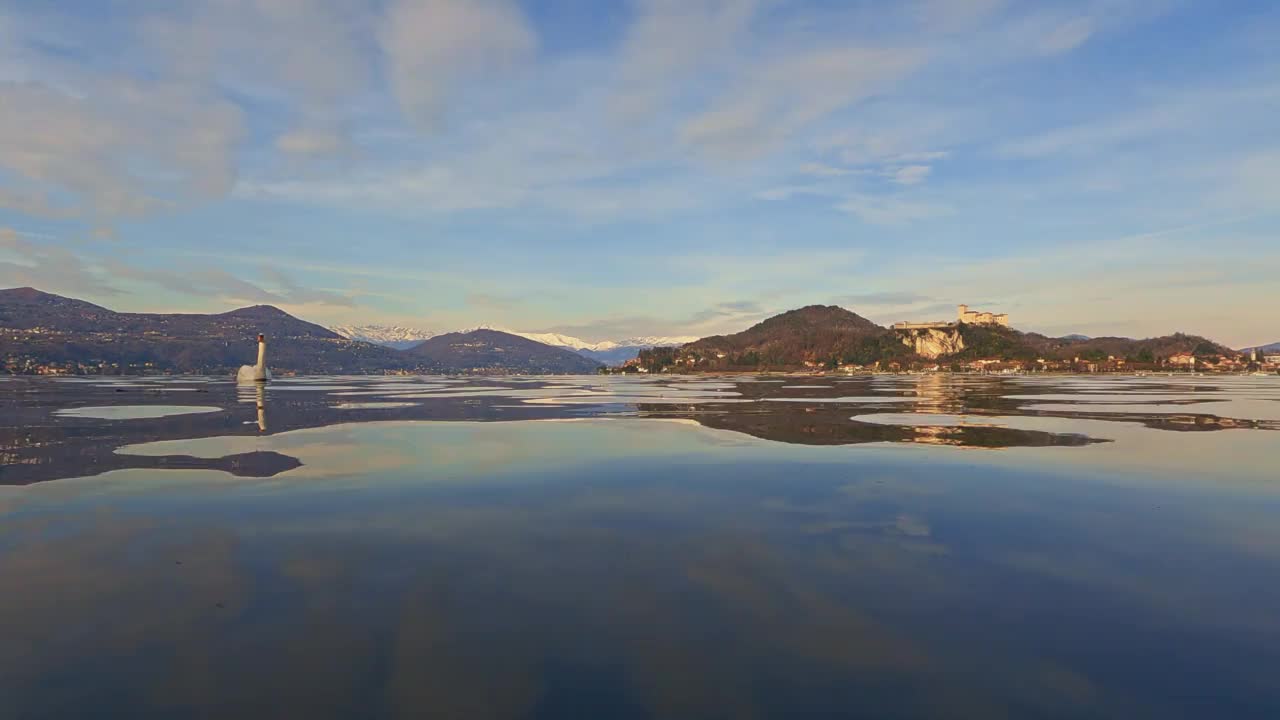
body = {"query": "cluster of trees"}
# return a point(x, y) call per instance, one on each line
point(993, 341)
point(827, 335)
point(827, 349)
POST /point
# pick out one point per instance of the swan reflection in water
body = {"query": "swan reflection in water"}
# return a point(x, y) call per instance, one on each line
point(259, 398)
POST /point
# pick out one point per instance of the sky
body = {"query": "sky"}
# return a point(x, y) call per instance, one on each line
point(649, 167)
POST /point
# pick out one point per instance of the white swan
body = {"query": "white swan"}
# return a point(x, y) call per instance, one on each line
point(259, 372)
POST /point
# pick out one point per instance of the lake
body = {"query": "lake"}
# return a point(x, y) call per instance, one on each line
point(654, 547)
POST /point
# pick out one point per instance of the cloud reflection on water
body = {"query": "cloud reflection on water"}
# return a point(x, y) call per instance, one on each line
point(638, 567)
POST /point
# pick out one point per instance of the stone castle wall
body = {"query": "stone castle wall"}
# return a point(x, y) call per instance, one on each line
point(974, 317)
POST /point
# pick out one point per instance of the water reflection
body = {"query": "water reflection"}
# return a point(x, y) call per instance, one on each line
point(654, 549)
point(256, 394)
point(602, 567)
point(65, 428)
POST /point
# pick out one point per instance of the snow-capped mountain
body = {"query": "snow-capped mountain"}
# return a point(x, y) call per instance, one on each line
point(394, 336)
point(573, 343)
point(610, 352)
point(606, 351)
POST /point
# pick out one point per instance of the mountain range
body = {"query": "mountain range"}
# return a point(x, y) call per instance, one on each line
point(1272, 348)
point(392, 336)
point(609, 352)
point(496, 351)
point(40, 332)
point(40, 328)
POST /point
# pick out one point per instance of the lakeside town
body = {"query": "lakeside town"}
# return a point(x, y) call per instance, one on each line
point(1182, 363)
point(993, 347)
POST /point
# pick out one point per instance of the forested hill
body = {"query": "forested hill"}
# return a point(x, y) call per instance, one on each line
point(824, 334)
point(39, 329)
point(821, 336)
point(988, 341)
point(495, 351)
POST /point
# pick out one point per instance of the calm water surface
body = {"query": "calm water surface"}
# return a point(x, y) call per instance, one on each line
point(887, 547)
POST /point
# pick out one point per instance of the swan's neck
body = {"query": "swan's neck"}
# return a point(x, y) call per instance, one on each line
point(262, 354)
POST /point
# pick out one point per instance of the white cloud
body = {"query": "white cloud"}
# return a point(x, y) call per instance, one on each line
point(617, 132)
point(1248, 182)
point(307, 50)
point(117, 147)
point(784, 94)
point(783, 192)
point(1150, 118)
point(89, 140)
point(435, 46)
point(306, 57)
point(302, 141)
point(46, 266)
point(1067, 35)
point(212, 282)
point(920, 157)
point(910, 174)
point(672, 44)
point(823, 170)
point(883, 210)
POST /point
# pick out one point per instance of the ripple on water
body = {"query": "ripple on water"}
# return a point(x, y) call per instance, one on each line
point(314, 387)
point(133, 412)
point(400, 389)
point(373, 405)
point(845, 399)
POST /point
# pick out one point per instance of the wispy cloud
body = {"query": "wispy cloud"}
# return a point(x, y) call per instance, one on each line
point(822, 170)
point(910, 174)
point(884, 210)
point(699, 152)
point(788, 93)
point(435, 47)
point(726, 317)
point(44, 266)
point(726, 310)
point(54, 268)
point(667, 45)
point(887, 298)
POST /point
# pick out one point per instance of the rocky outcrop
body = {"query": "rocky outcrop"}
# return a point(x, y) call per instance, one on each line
point(932, 342)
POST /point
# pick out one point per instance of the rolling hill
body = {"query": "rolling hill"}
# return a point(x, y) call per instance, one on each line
point(41, 328)
point(496, 351)
point(820, 334)
point(1269, 349)
point(990, 341)
point(828, 336)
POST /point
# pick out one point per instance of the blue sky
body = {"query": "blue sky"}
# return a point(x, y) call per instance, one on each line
point(649, 167)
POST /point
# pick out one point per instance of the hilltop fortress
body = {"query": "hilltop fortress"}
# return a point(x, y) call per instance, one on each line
point(935, 339)
point(973, 317)
point(963, 315)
